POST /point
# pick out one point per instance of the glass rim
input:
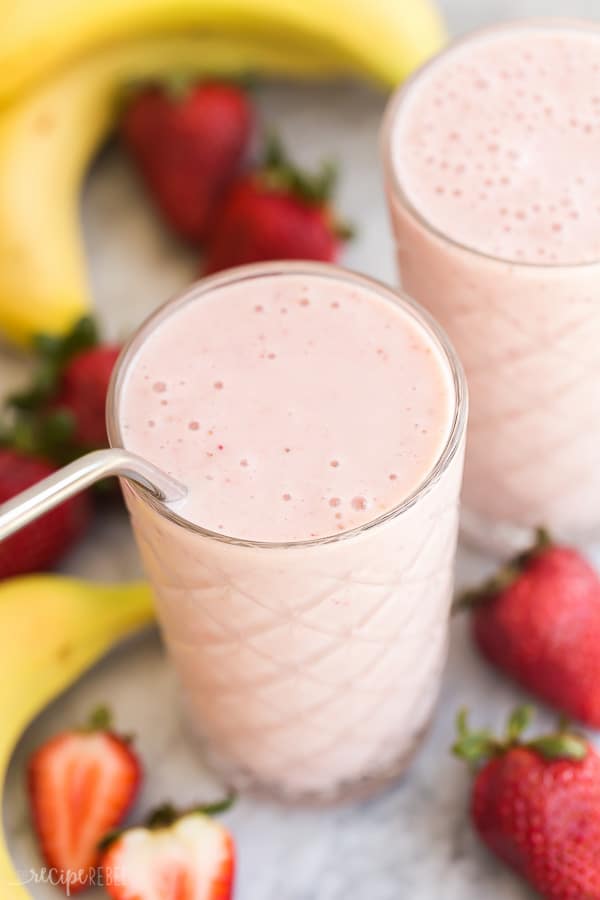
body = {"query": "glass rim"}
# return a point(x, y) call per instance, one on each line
point(399, 97)
point(300, 268)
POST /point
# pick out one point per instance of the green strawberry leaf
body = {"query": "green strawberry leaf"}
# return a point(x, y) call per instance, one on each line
point(166, 814)
point(472, 746)
point(519, 720)
point(53, 354)
point(560, 746)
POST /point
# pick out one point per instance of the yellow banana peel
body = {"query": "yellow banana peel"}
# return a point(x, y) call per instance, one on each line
point(64, 64)
point(47, 140)
point(53, 629)
point(380, 39)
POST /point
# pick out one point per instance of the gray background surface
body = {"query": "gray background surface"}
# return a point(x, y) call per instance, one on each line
point(414, 842)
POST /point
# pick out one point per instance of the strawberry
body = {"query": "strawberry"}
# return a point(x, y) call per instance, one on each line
point(276, 212)
point(175, 857)
point(62, 414)
point(82, 391)
point(536, 805)
point(42, 543)
point(81, 785)
point(539, 621)
point(188, 146)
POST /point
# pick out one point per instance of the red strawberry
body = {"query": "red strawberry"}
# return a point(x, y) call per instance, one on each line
point(62, 413)
point(187, 857)
point(188, 148)
point(539, 621)
point(82, 391)
point(276, 213)
point(41, 544)
point(537, 806)
point(81, 785)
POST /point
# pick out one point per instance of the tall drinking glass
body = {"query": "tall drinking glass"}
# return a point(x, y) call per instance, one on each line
point(309, 668)
point(490, 156)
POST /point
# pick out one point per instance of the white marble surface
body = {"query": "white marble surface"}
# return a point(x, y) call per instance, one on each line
point(414, 842)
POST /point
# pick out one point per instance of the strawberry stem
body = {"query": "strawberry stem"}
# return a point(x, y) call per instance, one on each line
point(166, 814)
point(99, 720)
point(504, 577)
point(162, 816)
point(53, 354)
point(559, 746)
point(518, 721)
point(472, 597)
point(31, 426)
point(477, 747)
point(220, 806)
point(543, 539)
point(281, 174)
point(473, 746)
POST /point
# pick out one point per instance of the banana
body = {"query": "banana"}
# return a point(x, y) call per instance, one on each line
point(53, 629)
point(381, 39)
point(53, 125)
point(46, 142)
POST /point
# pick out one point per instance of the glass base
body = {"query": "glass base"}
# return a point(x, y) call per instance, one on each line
point(355, 790)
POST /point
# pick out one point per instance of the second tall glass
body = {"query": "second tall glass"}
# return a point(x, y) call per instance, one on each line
point(488, 162)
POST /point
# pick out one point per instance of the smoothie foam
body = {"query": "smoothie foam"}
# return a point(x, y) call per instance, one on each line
point(292, 408)
point(498, 143)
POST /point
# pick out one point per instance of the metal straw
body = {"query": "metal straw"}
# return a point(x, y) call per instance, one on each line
point(80, 474)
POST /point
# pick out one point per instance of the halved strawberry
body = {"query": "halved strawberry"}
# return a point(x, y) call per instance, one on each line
point(175, 857)
point(81, 785)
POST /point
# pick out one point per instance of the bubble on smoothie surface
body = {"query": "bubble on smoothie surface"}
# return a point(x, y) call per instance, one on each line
point(506, 180)
point(244, 432)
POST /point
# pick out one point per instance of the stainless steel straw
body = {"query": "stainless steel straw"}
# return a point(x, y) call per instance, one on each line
point(80, 474)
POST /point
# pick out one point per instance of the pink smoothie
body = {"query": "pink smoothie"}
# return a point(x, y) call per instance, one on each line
point(494, 185)
point(292, 408)
point(298, 406)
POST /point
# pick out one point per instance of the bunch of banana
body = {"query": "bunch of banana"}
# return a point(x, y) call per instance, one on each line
point(53, 629)
point(63, 65)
